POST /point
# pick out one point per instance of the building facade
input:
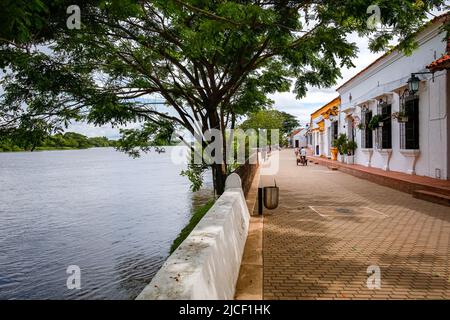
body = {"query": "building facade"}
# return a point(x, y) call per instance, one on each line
point(298, 139)
point(398, 127)
point(324, 128)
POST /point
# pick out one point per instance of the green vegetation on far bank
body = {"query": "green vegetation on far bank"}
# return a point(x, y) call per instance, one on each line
point(66, 141)
point(195, 219)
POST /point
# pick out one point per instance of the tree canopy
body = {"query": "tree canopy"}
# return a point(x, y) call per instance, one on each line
point(270, 120)
point(210, 60)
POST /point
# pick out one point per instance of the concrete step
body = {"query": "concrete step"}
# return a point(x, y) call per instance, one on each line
point(434, 197)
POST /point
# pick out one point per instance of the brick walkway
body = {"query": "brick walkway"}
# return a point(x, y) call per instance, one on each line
point(313, 251)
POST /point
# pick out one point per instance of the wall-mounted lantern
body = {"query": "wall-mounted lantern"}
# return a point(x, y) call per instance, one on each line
point(414, 82)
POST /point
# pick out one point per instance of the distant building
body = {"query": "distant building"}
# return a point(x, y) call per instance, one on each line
point(398, 112)
point(324, 128)
point(297, 139)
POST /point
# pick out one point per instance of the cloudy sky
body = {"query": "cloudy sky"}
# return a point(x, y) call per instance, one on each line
point(318, 97)
point(287, 102)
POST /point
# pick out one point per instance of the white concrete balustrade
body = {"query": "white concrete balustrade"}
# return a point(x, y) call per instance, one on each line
point(206, 265)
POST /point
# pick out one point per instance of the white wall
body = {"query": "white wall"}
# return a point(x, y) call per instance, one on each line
point(206, 265)
point(300, 137)
point(391, 74)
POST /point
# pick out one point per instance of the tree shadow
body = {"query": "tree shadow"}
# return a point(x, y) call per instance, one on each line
point(303, 261)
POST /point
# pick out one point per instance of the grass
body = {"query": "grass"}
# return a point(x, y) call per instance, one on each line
point(195, 219)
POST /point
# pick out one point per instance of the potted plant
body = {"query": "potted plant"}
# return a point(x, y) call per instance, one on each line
point(334, 150)
point(375, 122)
point(361, 126)
point(341, 145)
point(351, 148)
point(401, 117)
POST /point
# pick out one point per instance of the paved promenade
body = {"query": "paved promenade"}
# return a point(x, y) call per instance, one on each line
point(330, 227)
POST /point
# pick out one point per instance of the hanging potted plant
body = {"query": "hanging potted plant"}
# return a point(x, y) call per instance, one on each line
point(375, 122)
point(401, 117)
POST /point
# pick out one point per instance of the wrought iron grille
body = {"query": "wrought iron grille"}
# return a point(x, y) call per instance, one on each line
point(384, 132)
point(366, 133)
point(409, 121)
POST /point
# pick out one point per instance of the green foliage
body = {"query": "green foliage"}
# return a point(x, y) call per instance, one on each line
point(290, 123)
point(351, 147)
point(151, 134)
point(341, 144)
point(272, 119)
point(374, 122)
point(70, 140)
point(344, 146)
point(194, 173)
point(210, 60)
point(265, 119)
point(195, 219)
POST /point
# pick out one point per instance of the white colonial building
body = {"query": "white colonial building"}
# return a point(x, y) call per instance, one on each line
point(399, 127)
point(298, 139)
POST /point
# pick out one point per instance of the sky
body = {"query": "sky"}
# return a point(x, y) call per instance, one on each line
point(318, 97)
point(302, 109)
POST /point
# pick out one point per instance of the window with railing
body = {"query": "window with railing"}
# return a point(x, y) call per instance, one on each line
point(384, 131)
point(366, 132)
point(408, 119)
point(335, 129)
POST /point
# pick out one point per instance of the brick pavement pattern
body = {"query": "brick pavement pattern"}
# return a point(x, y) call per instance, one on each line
point(322, 238)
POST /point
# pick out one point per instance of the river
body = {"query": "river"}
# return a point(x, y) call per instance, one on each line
point(112, 216)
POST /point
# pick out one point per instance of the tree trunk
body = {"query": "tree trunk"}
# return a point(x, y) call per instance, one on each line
point(219, 169)
point(219, 176)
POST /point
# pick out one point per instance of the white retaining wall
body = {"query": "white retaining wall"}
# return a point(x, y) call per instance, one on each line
point(206, 265)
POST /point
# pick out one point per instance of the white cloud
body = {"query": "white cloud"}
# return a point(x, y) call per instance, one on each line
point(302, 109)
point(317, 97)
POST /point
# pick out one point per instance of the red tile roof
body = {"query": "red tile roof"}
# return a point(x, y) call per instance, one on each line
point(440, 64)
point(295, 132)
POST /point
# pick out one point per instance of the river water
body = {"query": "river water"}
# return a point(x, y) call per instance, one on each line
point(112, 216)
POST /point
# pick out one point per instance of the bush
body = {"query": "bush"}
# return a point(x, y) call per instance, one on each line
point(374, 122)
point(351, 147)
point(341, 144)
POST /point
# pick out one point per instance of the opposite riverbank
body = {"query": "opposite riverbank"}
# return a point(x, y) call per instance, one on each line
point(66, 141)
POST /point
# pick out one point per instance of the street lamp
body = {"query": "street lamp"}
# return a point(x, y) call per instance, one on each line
point(414, 82)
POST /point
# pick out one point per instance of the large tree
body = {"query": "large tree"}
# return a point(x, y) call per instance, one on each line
point(211, 60)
